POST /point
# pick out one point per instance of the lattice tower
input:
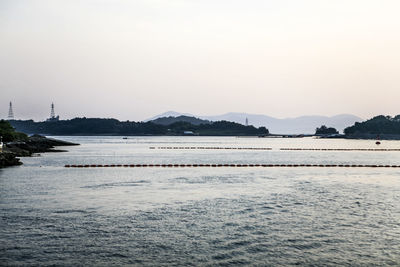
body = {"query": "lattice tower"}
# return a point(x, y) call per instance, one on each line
point(52, 113)
point(10, 112)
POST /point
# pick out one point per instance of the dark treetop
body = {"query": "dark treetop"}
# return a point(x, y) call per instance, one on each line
point(385, 127)
point(323, 130)
point(170, 120)
point(9, 134)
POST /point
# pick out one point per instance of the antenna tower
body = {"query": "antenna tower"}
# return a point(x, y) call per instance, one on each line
point(52, 113)
point(10, 112)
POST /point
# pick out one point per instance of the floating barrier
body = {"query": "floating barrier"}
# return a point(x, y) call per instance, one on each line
point(225, 165)
point(269, 148)
point(340, 149)
point(211, 148)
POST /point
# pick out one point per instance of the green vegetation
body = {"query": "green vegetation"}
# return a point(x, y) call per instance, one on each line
point(379, 125)
point(94, 126)
point(219, 128)
point(9, 134)
point(323, 130)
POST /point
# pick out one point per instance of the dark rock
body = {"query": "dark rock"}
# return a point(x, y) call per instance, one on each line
point(41, 140)
point(8, 159)
point(36, 144)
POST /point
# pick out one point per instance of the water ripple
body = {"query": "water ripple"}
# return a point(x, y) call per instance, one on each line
point(116, 184)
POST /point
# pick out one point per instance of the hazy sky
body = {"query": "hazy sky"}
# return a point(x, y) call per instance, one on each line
point(132, 59)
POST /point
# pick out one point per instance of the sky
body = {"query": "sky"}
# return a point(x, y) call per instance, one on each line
point(133, 59)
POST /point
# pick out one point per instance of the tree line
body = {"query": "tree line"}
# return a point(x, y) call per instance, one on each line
point(8, 133)
point(99, 126)
point(377, 125)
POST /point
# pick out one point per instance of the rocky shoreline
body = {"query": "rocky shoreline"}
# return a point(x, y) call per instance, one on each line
point(9, 159)
point(369, 136)
point(34, 144)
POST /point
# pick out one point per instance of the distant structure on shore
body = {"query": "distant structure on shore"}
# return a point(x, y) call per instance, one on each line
point(10, 112)
point(247, 122)
point(53, 116)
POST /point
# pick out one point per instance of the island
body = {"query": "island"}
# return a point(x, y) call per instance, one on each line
point(167, 126)
point(323, 130)
point(379, 127)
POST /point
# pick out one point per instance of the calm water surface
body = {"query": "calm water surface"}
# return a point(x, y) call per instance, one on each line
point(51, 215)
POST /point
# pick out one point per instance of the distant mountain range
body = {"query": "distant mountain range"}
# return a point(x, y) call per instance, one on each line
point(298, 125)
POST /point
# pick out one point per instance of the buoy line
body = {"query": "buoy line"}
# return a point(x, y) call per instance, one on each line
point(341, 149)
point(229, 165)
point(269, 148)
point(211, 148)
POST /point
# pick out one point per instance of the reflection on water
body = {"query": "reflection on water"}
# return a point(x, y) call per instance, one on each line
point(202, 216)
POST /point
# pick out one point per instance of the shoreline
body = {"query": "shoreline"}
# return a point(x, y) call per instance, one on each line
point(35, 144)
point(341, 136)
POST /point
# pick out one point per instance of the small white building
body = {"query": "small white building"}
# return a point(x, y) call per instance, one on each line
point(1, 144)
point(188, 133)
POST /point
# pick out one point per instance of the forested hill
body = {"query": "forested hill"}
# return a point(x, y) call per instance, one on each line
point(384, 127)
point(170, 120)
point(96, 126)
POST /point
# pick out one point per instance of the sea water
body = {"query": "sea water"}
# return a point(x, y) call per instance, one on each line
point(54, 215)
